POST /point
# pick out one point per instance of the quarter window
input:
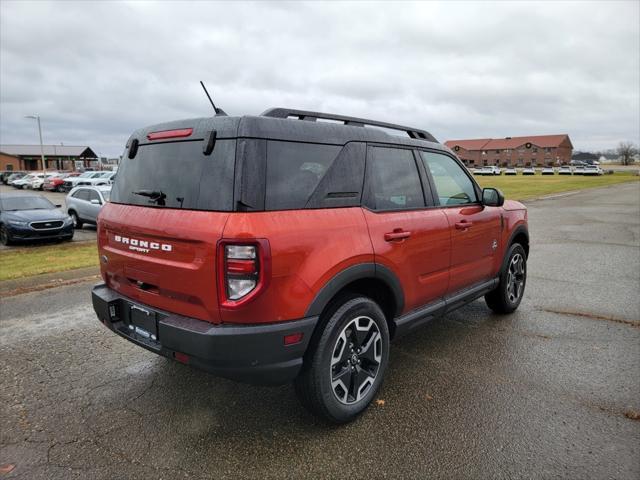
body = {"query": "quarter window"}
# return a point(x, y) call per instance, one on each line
point(452, 184)
point(393, 176)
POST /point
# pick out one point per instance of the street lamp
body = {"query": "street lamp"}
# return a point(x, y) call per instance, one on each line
point(37, 117)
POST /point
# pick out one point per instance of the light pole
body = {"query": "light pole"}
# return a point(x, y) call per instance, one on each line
point(37, 117)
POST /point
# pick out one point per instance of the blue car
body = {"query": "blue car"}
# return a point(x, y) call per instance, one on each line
point(32, 217)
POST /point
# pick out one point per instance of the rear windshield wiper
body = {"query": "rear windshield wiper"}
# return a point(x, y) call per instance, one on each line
point(154, 195)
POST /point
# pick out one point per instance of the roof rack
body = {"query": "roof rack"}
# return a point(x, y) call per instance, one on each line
point(352, 121)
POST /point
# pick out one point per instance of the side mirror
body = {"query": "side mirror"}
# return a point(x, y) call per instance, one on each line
point(492, 197)
point(96, 201)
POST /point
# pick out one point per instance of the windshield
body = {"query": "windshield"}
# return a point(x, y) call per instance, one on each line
point(86, 174)
point(178, 175)
point(26, 203)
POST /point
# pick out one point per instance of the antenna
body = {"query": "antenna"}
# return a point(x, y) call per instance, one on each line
point(218, 111)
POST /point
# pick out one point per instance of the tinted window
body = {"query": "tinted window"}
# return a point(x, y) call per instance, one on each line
point(452, 184)
point(93, 195)
point(394, 180)
point(294, 170)
point(81, 194)
point(178, 175)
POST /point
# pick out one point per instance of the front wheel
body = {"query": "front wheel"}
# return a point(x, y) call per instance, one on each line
point(346, 363)
point(508, 294)
point(5, 238)
point(77, 223)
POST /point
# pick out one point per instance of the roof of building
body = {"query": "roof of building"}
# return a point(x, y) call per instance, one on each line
point(49, 150)
point(542, 141)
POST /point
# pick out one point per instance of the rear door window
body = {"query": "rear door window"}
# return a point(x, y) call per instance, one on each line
point(93, 195)
point(393, 179)
point(178, 175)
point(294, 170)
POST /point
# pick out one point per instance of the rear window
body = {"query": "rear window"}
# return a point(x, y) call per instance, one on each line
point(294, 170)
point(178, 175)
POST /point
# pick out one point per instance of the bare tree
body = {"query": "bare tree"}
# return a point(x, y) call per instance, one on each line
point(626, 151)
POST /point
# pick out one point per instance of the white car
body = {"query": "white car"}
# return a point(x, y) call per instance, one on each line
point(38, 182)
point(25, 182)
point(593, 170)
point(510, 171)
point(477, 171)
point(491, 170)
point(565, 170)
point(105, 178)
point(547, 171)
point(71, 182)
point(528, 171)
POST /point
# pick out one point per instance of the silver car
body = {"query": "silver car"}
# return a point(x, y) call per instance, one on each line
point(84, 203)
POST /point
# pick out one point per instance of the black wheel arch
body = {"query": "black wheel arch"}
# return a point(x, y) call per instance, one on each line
point(357, 277)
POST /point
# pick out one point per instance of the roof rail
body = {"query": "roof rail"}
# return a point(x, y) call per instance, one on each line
point(352, 121)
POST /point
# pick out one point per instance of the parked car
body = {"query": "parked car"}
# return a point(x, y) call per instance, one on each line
point(25, 181)
point(578, 170)
point(104, 178)
point(547, 171)
point(71, 182)
point(4, 176)
point(593, 170)
point(478, 171)
point(55, 183)
point(13, 177)
point(85, 202)
point(32, 217)
point(306, 272)
point(565, 170)
point(528, 171)
point(491, 170)
point(510, 171)
point(38, 182)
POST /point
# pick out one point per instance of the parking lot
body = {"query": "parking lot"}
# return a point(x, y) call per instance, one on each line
point(88, 232)
point(548, 392)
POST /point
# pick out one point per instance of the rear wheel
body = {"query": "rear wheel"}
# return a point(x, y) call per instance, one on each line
point(77, 223)
point(347, 362)
point(508, 294)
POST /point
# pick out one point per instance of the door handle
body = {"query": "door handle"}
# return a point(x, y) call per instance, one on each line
point(397, 235)
point(463, 224)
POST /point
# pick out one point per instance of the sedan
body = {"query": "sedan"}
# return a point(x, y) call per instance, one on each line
point(32, 217)
point(565, 170)
point(548, 171)
point(528, 171)
point(510, 171)
point(84, 203)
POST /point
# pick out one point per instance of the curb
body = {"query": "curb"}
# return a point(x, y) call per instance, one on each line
point(47, 280)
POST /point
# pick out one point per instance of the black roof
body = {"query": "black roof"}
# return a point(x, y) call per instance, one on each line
point(277, 124)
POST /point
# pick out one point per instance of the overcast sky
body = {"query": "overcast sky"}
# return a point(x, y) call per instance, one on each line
point(95, 71)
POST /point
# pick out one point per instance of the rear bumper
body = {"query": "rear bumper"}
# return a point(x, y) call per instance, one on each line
point(252, 353)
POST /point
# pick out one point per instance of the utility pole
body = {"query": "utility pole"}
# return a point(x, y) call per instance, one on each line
point(37, 117)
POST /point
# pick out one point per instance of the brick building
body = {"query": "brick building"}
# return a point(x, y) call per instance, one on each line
point(57, 157)
point(539, 150)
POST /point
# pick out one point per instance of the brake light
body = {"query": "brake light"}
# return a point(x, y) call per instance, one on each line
point(182, 132)
point(244, 270)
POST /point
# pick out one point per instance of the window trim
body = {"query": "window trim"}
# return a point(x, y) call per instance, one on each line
point(367, 194)
point(436, 199)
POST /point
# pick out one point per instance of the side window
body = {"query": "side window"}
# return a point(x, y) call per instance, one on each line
point(93, 195)
point(452, 184)
point(393, 177)
point(294, 170)
point(82, 194)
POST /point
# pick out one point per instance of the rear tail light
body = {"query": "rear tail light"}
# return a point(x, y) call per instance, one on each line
point(244, 270)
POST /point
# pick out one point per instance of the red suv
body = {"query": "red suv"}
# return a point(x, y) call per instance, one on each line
point(294, 245)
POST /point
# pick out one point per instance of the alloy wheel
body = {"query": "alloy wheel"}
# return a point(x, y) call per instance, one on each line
point(356, 359)
point(515, 277)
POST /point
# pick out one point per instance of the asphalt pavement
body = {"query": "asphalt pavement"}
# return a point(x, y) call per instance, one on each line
point(546, 392)
point(86, 233)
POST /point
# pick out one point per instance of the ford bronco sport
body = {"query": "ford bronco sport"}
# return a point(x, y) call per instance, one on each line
point(294, 245)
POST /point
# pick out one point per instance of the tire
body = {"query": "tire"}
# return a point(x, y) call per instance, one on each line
point(77, 223)
point(508, 294)
point(346, 361)
point(5, 238)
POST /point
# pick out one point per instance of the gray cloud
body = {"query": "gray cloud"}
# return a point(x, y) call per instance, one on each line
point(95, 71)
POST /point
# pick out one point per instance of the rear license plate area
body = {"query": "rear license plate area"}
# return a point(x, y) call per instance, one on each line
point(143, 323)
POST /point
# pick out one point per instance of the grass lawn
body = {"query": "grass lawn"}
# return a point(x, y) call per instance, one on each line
point(523, 187)
point(28, 261)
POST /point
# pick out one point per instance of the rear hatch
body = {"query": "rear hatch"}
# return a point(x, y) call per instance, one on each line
point(169, 204)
